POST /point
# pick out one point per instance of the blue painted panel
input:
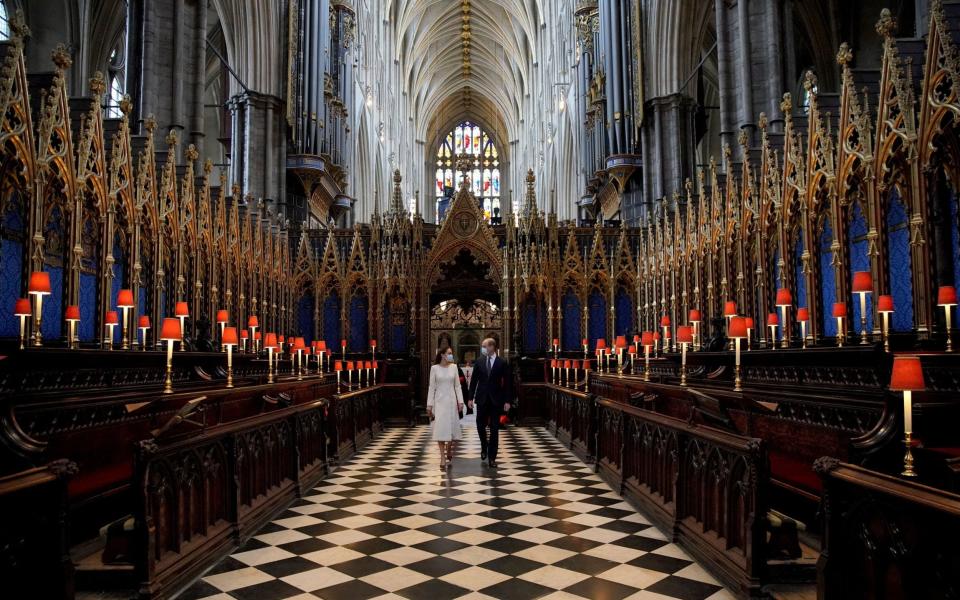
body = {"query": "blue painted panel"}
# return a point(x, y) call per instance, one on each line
point(359, 330)
point(86, 329)
point(901, 271)
point(598, 318)
point(14, 219)
point(828, 285)
point(800, 297)
point(532, 339)
point(625, 317)
point(11, 264)
point(331, 322)
point(398, 332)
point(954, 233)
point(116, 286)
point(859, 261)
point(572, 314)
point(305, 317)
point(141, 302)
point(53, 306)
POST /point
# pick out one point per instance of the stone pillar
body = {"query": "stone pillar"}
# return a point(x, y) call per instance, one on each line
point(258, 145)
point(170, 65)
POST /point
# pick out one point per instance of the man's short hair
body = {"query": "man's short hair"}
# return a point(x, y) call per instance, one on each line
point(493, 341)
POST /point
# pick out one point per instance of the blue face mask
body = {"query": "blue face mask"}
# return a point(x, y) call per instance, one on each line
point(483, 350)
point(449, 358)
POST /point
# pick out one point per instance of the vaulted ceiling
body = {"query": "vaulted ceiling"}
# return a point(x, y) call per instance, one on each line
point(467, 59)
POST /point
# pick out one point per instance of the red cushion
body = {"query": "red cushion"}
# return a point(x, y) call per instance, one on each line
point(88, 482)
point(794, 471)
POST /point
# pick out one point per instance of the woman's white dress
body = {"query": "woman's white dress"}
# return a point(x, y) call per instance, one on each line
point(443, 395)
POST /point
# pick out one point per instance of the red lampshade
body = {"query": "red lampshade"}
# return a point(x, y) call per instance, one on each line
point(784, 298)
point(282, 339)
point(665, 321)
point(258, 335)
point(586, 365)
point(504, 419)
point(253, 321)
point(738, 327)
point(322, 346)
point(646, 340)
point(350, 366)
point(244, 334)
point(862, 282)
point(773, 319)
point(694, 316)
point(39, 283)
point(22, 308)
point(656, 336)
point(885, 304)
point(230, 336)
point(271, 342)
point(601, 344)
point(803, 315)
point(307, 350)
point(566, 364)
point(621, 341)
point(584, 342)
point(907, 374)
point(171, 330)
point(749, 322)
point(576, 364)
point(636, 338)
point(729, 308)
point(144, 322)
point(111, 318)
point(373, 343)
point(556, 341)
point(840, 309)
point(223, 316)
point(71, 314)
point(338, 366)
point(685, 334)
point(632, 349)
point(947, 296)
point(299, 344)
point(553, 363)
point(343, 343)
point(367, 364)
point(182, 310)
point(125, 299)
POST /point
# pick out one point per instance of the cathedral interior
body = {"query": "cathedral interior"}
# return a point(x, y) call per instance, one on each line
point(716, 241)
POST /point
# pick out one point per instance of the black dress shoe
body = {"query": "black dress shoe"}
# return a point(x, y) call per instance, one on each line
point(483, 455)
point(493, 464)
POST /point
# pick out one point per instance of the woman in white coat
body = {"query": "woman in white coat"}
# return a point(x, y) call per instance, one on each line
point(444, 404)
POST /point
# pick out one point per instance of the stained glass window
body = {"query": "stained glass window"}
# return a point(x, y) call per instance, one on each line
point(4, 30)
point(468, 140)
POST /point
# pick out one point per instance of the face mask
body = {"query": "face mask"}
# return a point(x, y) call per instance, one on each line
point(484, 351)
point(449, 358)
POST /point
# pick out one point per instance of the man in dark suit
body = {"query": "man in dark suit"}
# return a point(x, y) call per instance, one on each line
point(491, 389)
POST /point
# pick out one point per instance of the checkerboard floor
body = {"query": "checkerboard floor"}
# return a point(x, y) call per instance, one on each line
point(390, 524)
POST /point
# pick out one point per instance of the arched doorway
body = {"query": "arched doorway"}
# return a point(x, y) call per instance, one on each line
point(462, 291)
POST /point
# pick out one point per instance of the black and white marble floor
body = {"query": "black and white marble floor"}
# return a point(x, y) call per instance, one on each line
point(389, 524)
